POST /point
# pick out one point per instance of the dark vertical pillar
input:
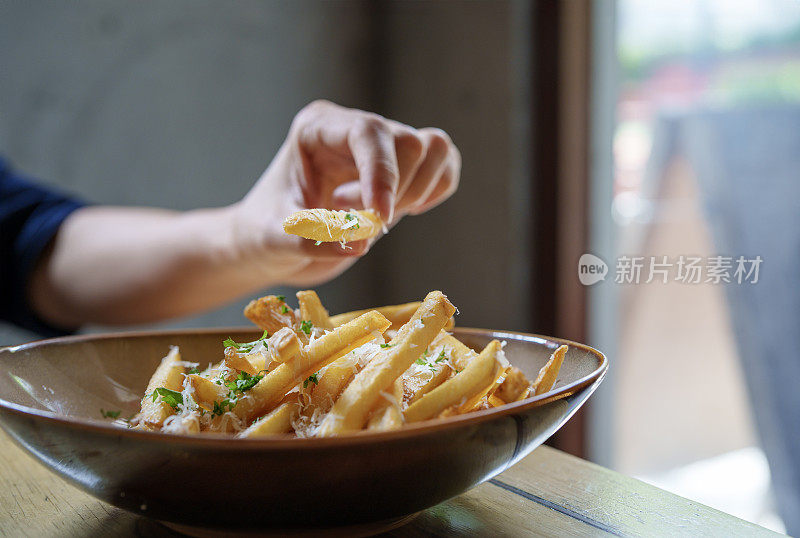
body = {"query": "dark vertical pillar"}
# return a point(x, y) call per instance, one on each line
point(560, 62)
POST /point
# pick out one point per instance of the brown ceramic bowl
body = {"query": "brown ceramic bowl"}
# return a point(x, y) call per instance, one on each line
point(51, 393)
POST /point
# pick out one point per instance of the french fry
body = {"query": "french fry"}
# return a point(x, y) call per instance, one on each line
point(184, 424)
point(449, 412)
point(513, 386)
point(252, 363)
point(330, 226)
point(387, 415)
point(284, 345)
point(495, 401)
point(333, 381)
point(475, 401)
point(311, 309)
point(336, 379)
point(461, 355)
point(206, 392)
point(418, 381)
point(524, 394)
point(549, 372)
point(397, 314)
point(324, 350)
point(457, 390)
point(214, 369)
point(278, 421)
point(270, 313)
point(417, 385)
point(350, 412)
point(168, 375)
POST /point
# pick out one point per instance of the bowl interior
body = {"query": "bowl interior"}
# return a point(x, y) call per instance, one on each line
point(78, 376)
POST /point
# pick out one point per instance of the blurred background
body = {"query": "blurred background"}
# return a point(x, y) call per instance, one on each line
point(630, 128)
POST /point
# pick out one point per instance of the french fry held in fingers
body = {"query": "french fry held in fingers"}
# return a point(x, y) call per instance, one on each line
point(350, 411)
point(470, 381)
point(324, 350)
point(549, 372)
point(333, 226)
point(167, 377)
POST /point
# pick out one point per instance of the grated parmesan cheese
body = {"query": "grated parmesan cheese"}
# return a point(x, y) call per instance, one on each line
point(390, 398)
point(501, 356)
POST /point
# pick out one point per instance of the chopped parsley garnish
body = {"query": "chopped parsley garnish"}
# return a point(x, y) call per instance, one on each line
point(384, 346)
point(219, 407)
point(423, 360)
point(246, 347)
point(284, 309)
point(282, 298)
point(312, 378)
point(169, 397)
point(244, 382)
point(110, 414)
point(317, 243)
point(349, 217)
point(306, 326)
point(194, 370)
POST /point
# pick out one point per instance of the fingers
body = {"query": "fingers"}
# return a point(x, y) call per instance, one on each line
point(372, 146)
point(347, 196)
point(354, 159)
point(333, 251)
point(437, 153)
point(410, 147)
point(445, 187)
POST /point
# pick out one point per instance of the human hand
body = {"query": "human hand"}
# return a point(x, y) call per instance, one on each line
point(340, 158)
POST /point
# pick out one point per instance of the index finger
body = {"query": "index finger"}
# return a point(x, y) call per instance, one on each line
point(372, 146)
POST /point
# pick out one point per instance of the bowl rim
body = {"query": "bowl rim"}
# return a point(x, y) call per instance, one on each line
point(222, 441)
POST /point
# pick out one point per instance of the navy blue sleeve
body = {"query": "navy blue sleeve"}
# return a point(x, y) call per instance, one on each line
point(30, 216)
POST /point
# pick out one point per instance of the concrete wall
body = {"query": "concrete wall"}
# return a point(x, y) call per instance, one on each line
point(182, 104)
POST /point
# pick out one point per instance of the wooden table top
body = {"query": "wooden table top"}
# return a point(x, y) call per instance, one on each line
point(548, 493)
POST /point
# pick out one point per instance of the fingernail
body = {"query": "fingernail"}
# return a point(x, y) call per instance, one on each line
point(386, 206)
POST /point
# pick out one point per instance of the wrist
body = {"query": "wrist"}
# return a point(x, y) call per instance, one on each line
point(218, 241)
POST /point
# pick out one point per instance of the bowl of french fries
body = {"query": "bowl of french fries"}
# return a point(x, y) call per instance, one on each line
point(306, 422)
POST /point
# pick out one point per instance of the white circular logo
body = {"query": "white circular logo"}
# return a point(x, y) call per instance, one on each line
point(591, 269)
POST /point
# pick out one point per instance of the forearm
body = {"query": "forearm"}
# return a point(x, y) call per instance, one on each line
point(115, 265)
